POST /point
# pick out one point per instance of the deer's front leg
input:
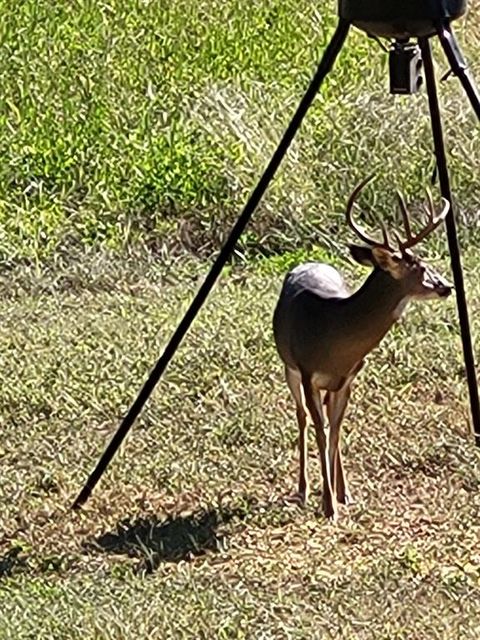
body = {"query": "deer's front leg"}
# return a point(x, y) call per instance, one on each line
point(336, 405)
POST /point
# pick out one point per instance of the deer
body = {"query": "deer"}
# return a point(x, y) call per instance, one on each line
point(323, 333)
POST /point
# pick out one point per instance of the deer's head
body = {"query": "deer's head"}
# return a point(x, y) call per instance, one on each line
point(414, 276)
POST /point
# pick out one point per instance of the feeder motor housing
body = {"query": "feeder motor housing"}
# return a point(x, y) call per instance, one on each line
point(405, 66)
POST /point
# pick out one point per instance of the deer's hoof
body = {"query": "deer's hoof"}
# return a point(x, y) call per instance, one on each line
point(346, 499)
point(332, 517)
point(330, 512)
point(300, 498)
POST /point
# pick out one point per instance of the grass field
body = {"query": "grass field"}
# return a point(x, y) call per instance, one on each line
point(140, 122)
point(187, 535)
point(131, 134)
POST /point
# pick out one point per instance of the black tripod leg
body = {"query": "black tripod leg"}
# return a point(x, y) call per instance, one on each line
point(452, 235)
point(331, 52)
point(458, 65)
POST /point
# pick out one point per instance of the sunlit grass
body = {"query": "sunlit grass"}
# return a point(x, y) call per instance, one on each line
point(131, 134)
point(186, 535)
point(150, 122)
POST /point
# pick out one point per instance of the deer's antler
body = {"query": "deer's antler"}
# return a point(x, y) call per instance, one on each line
point(412, 239)
point(432, 223)
point(360, 231)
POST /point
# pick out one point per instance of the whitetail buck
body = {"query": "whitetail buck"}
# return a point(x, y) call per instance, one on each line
point(323, 333)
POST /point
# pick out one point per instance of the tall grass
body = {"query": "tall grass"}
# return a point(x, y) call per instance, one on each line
point(141, 121)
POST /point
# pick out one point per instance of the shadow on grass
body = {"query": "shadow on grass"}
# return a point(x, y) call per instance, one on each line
point(183, 537)
point(173, 539)
point(11, 561)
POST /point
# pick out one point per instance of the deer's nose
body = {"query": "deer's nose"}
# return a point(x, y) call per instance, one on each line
point(444, 291)
point(443, 287)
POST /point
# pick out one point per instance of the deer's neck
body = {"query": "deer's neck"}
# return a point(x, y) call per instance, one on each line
point(375, 307)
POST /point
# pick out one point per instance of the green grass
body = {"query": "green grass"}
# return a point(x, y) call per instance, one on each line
point(149, 123)
point(187, 536)
point(131, 135)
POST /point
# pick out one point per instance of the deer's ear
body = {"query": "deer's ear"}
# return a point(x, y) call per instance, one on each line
point(362, 255)
point(385, 259)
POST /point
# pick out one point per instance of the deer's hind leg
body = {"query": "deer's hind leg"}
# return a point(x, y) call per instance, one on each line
point(314, 404)
point(294, 381)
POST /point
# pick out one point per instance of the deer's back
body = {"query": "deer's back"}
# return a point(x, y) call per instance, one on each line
point(308, 323)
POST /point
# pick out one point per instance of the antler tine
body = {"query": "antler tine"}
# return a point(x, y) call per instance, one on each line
point(431, 207)
point(398, 239)
point(405, 216)
point(360, 232)
point(445, 211)
point(386, 239)
point(432, 224)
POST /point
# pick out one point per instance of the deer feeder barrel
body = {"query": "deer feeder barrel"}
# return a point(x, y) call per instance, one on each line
point(400, 18)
